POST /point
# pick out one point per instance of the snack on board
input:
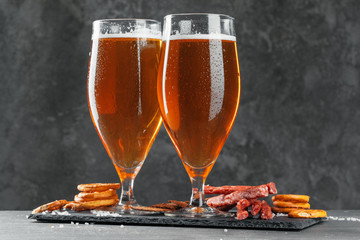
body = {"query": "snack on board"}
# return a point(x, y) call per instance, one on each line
point(153, 209)
point(80, 199)
point(97, 187)
point(272, 188)
point(229, 189)
point(266, 211)
point(243, 197)
point(180, 204)
point(291, 198)
point(307, 213)
point(102, 195)
point(242, 212)
point(97, 195)
point(296, 206)
point(55, 205)
point(243, 204)
point(283, 209)
point(284, 203)
point(93, 196)
point(82, 206)
point(68, 205)
point(230, 200)
point(255, 207)
point(291, 204)
point(171, 206)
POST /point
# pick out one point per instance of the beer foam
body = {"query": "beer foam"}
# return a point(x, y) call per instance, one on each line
point(127, 35)
point(201, 36)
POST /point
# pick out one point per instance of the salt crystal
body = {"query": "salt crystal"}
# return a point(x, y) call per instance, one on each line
point(65, 213)
point(72, 222)
point(105, 213)
point(122, 226)
point(61, 225)
point(350, 219)
point(86, 223)
point(355, 219)
point(52, 226)
point(77, 223)
point(225, 230)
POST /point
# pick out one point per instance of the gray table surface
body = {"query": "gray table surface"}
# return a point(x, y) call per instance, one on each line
point(15, 225)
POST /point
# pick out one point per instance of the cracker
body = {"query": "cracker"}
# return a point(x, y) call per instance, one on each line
point(82, 206)
point(80, 199)
point(97, 187)
point(284, 210)
point(291, 204)
point(98, 195)
point(307, 213)
point(291, 198)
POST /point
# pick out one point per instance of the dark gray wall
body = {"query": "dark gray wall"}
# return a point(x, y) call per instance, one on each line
point(298, 123)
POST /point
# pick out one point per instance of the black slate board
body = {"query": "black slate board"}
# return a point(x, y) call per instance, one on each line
point(277, 223)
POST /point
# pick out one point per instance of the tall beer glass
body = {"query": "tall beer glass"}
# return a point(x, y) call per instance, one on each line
point(122, 94)
point(198, 93)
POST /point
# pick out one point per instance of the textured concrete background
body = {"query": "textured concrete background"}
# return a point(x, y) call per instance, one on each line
point(298, 123)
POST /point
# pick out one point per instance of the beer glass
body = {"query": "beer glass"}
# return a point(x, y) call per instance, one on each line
point(198, 93)
point(122, 97)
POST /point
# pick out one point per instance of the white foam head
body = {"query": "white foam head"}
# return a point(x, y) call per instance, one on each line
point(186, 31)
point(118, 31)
point(202, 36)
point(127, 35)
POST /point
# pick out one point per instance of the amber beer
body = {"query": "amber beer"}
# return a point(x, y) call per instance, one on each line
point(122, 98)
point(198, 93)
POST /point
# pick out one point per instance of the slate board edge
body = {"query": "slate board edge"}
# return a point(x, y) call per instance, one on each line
point(297, 224)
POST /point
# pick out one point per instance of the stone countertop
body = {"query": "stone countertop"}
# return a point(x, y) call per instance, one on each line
point(15, 225)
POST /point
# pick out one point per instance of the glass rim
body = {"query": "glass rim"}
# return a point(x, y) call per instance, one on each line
point(125, 19)
point(199, 14)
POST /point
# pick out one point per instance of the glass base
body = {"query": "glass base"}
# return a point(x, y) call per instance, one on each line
point(199, 212)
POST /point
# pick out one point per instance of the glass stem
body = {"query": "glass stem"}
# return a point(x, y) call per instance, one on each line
point(127, 194)
point(197, 196)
